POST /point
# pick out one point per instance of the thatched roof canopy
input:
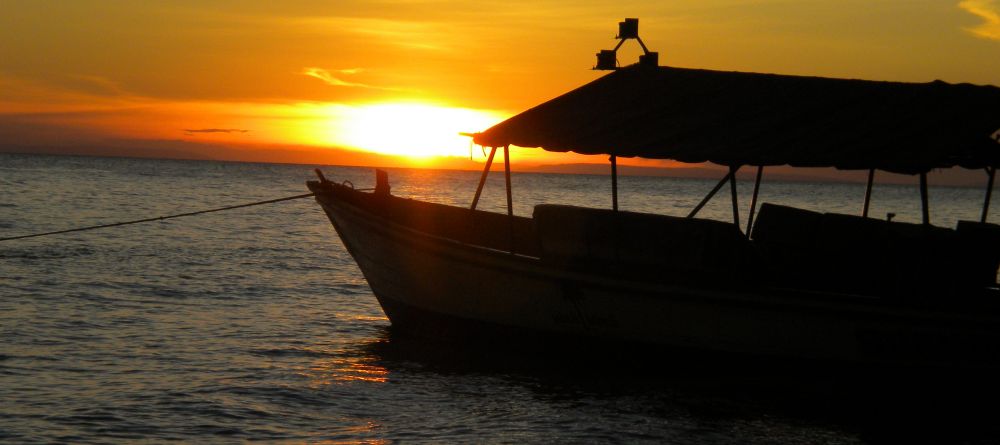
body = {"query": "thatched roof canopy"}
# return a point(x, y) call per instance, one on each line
point(732, 118)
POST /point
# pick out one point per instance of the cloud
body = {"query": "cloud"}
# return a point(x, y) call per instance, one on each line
point(329, 78)
point(989, 11)
point(351, 70)
point(214, 130)
point(407, 34)
point(97, 85)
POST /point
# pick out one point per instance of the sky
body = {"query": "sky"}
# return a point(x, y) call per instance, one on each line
point(353, 79)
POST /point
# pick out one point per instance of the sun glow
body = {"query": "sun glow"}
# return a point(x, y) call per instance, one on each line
point(411, 129)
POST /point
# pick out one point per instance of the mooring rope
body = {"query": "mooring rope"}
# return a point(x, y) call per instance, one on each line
point(159, 218)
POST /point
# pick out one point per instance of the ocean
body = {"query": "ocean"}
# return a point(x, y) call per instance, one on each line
point(256, 325)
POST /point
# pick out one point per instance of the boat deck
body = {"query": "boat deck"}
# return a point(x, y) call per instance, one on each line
point(789, 249)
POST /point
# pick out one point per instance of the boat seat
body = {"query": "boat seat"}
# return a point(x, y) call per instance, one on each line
point(893, 258)
point(785, 225)
point(979, 245)
point(786, 238)
point(850, 253)
point(628, 242)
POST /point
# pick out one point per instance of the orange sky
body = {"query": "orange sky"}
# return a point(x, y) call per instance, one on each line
point(405, 76)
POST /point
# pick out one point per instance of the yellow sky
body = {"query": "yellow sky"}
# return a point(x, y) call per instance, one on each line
point(308, 73)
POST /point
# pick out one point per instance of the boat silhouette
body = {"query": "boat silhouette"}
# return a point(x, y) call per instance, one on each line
point(795, 284)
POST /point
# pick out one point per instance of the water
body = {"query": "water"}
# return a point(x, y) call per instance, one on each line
point(255, 324)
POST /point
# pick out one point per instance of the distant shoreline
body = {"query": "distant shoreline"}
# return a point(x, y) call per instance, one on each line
point(955, 177)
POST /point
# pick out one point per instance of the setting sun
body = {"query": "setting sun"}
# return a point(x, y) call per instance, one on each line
point(410, 129)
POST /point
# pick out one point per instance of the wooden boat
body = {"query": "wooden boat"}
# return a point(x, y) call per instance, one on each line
point(798, 284)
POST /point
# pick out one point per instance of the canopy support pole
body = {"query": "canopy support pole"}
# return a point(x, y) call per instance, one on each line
point(482, 179)
point(991, 171)
point(753, 200)
point(614, 183)
point(925, 211)
point(868, 192)
point(732, 192)
point(510, 202)
point(712, 193)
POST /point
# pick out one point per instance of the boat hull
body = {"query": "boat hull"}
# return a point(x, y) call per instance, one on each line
point(434, 286)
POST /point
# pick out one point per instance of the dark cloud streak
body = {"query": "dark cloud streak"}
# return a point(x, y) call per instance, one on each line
point(214, 130)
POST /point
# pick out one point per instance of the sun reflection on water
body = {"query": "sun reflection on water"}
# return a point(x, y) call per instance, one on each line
point(342, 369)
point(360, 317)
point(362, 429)
point(353, 442)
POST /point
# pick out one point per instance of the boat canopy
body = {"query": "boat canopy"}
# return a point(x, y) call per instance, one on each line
point(736, 119)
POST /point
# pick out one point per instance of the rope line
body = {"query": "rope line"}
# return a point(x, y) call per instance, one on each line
point(159, 218)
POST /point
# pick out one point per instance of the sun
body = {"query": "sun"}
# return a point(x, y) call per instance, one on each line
point(418, 130)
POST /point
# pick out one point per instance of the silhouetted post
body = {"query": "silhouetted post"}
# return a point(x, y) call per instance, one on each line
point(712, 193)
point(753, 200)
point(868, 192)
point(482, 179)
point(923, 199)
point(322, 179)
point(381, 182)
point(991, 171)
point(732, 192)
point(614, 183)
point(510, 202)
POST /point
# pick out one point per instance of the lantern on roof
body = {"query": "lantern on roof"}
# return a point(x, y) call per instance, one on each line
point(629, 29)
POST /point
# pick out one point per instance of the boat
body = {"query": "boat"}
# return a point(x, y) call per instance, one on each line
point(795, 284)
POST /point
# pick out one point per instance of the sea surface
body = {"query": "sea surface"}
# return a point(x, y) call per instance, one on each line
point(256, 325)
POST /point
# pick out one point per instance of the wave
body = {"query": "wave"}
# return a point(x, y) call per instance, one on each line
point(290, 352)
point(45, 253)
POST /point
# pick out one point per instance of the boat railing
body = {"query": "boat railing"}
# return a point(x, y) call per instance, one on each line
point(473, 227)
